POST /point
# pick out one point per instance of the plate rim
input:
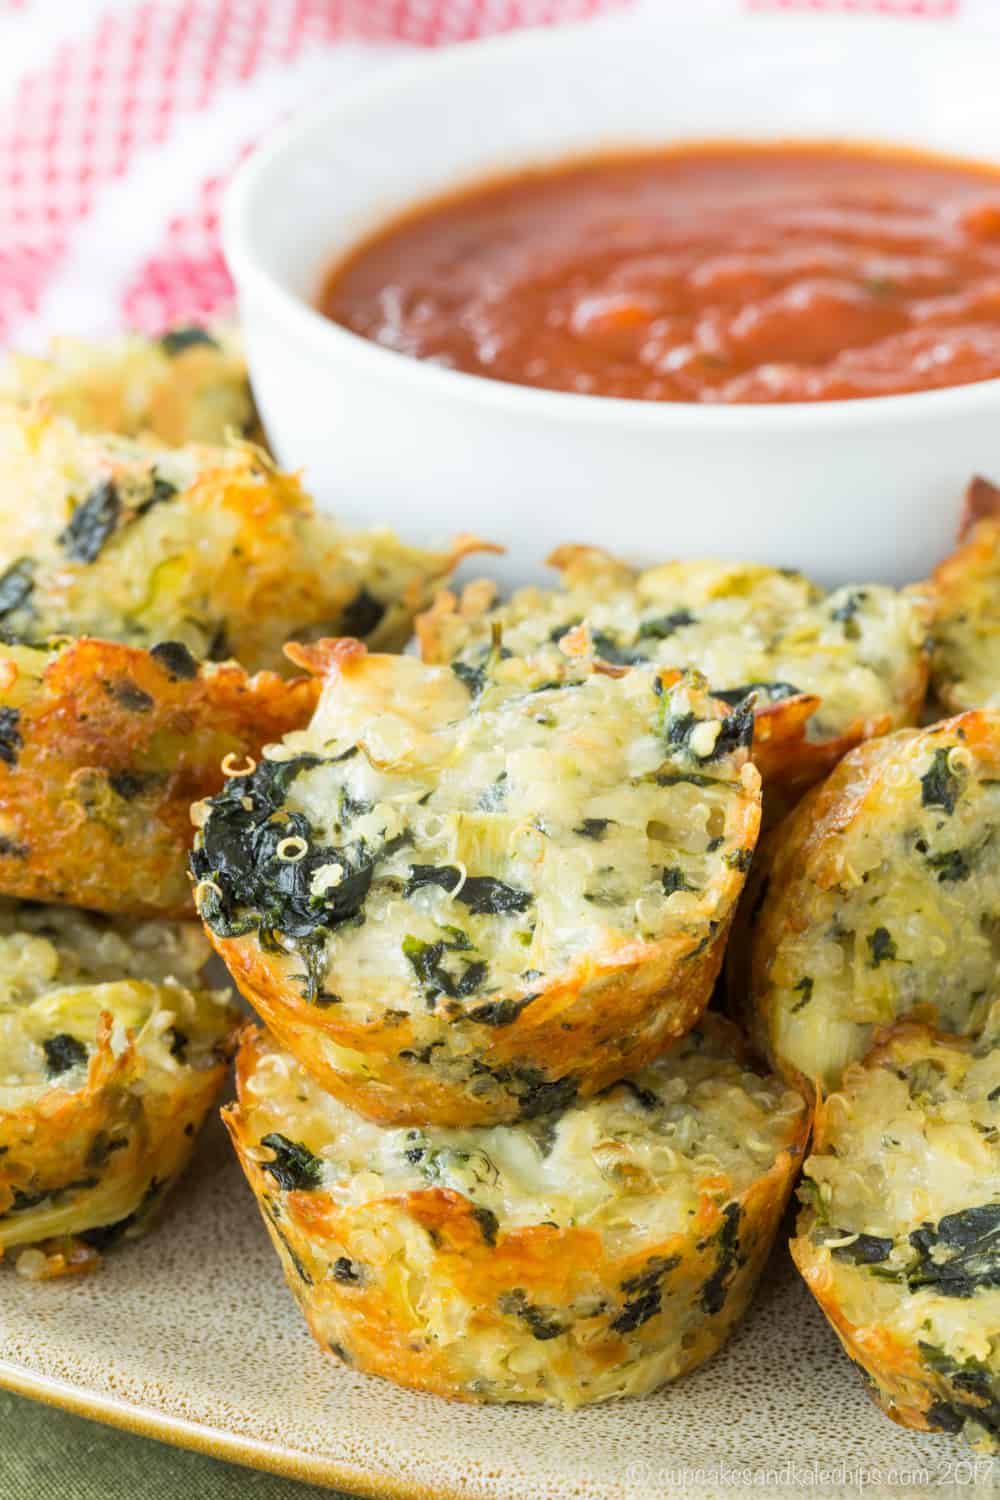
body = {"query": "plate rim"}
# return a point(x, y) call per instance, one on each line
point(213, 1442)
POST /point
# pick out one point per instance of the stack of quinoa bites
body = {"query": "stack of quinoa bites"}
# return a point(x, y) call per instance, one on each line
point(502, 1151)
point(152, 564)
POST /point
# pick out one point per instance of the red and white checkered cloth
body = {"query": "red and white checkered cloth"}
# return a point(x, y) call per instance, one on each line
point(121, 120)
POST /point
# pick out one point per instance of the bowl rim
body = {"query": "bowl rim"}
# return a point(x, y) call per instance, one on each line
point(334, 341)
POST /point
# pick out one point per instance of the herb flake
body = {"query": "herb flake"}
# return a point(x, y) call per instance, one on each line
point(92, 523)
point(940, 787)
point(293, 1167)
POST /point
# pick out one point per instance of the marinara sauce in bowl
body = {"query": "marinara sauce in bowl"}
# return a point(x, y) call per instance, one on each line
point(730, 291)
point(715, 273)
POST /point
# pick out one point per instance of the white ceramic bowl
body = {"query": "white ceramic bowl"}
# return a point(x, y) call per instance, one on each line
point(844, 490)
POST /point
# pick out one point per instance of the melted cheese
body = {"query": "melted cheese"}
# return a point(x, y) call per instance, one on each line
point(858, 649)
point(550, 789)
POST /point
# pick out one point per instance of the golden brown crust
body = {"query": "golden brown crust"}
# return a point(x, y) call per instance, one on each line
point(981, 502)
point(800, 865)
point(780, 862)
point(965, 664)
point(903, 1156)
point(106, 751)
point(104, 1155)
point(791, 764)
point(591, 1026)
point(69, 1122)
point(366, 1273)
point(901, 1379)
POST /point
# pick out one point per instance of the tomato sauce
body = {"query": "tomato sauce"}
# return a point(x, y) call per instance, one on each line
point(714, 273)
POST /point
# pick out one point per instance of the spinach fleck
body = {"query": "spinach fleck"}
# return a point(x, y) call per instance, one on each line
point(160, 491)
point(672, 878)
point(482, 894)
point(593, 828)
point(11, 740)
point(645, 1294)
point(106, 1236)
point(16, 584)
point(691, 778)
point(62, 1053)
point(970, 1378)
point(175, 659)
point(92, 523)
point(179, 1042)
point(427, 962)
point(881, 947)
point(866, 1250)
point(663, 626)
point(613, 652)
point(488, 1223)
point(951, 865)
point(678, 728)
point(293, 1167)
point(536, 1093)
point(485, 896)
point(131, 784)
point(444, 876)
point(735, 732)
point(249, 886)
point(347, 1272)
point(128, 695)
point(845, 613)
point(961, 1255)
point(103, 1147)
point(500, 1012)
point(713, 1293)
point(474, 678)
point(804, 987)
point(363, 615)
point(542, 1322)
point(176, 340)
point(940, 787)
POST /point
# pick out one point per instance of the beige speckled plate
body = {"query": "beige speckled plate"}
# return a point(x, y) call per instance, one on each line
point(191, 1336)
